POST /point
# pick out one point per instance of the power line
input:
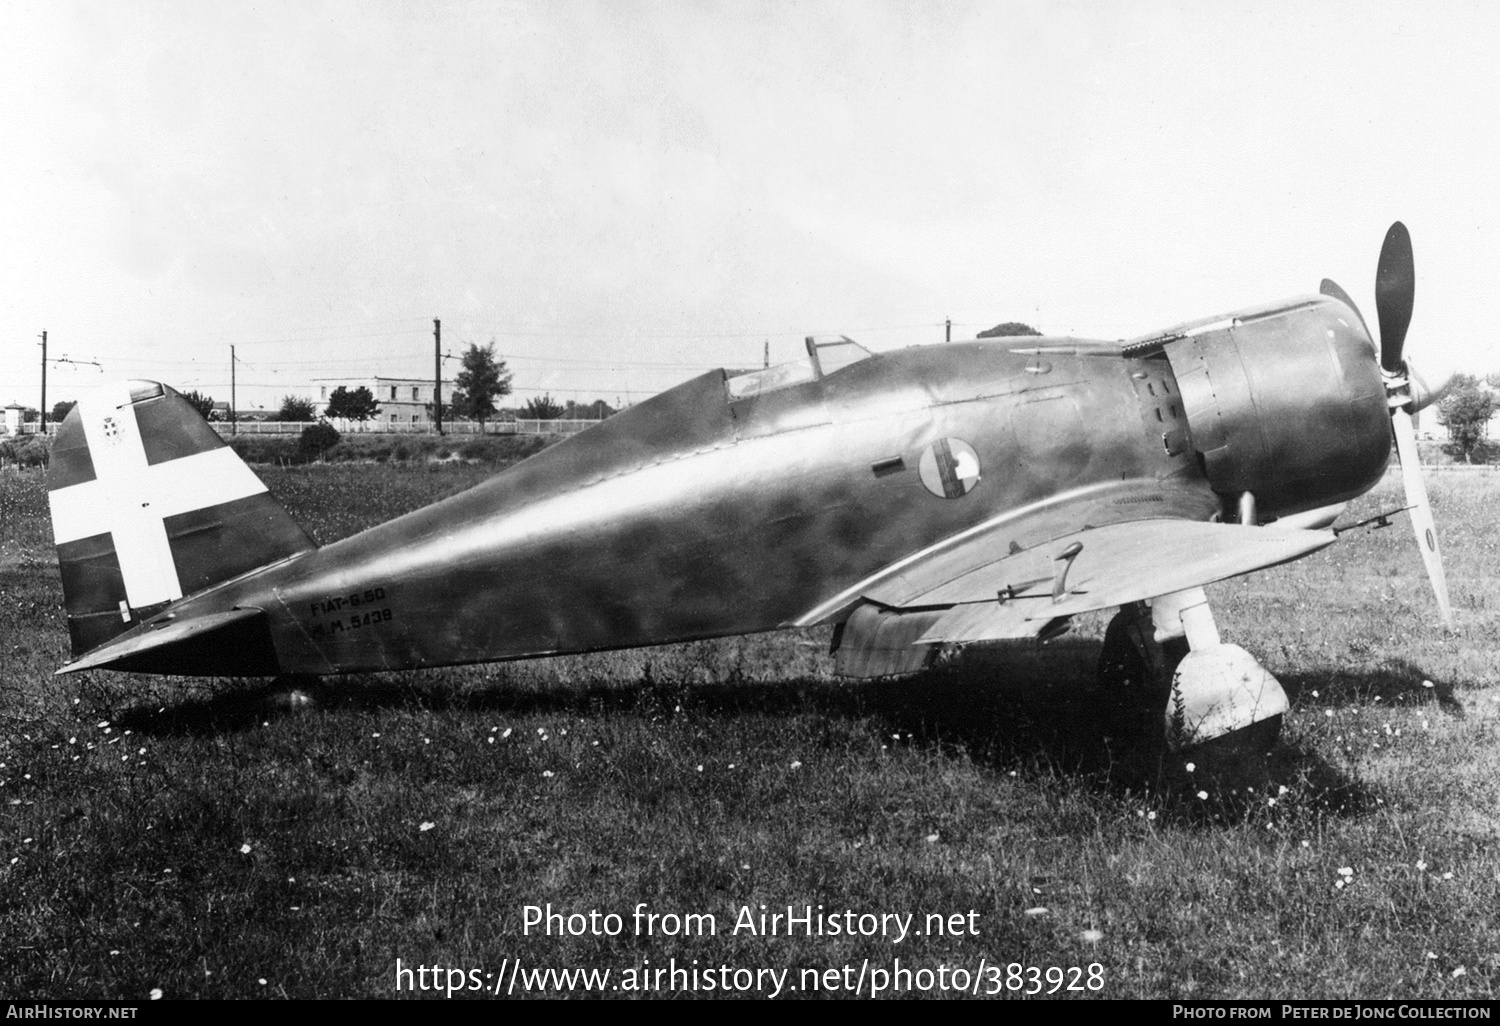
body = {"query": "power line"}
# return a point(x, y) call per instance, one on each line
point(594, 389)
point(294, 374)
point(324, 338)
point(625, 333)
point(608, 363)
point(345, 361)
point(618, 334)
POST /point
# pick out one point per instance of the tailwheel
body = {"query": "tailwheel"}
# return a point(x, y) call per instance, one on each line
point(293, 692)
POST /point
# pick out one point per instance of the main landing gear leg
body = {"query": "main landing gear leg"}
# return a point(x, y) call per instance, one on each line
point(1218, 689)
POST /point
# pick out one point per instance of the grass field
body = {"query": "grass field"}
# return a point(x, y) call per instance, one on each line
point(211, 838)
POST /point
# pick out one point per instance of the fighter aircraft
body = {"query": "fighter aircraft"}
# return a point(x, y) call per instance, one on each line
point(916, 499)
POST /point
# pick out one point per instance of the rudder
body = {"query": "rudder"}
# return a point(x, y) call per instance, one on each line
point(148, 505)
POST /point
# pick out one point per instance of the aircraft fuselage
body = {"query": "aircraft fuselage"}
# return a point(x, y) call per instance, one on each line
point(696, 514)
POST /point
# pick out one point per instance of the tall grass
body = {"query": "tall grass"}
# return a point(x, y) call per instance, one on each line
point(202, 836)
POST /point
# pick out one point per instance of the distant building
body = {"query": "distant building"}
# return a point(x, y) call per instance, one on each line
point(596, 410)
point(402, 400)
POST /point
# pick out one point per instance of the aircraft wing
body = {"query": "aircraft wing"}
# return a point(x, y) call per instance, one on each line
point(976, 596)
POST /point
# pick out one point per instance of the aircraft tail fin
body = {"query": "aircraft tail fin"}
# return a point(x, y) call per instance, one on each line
point(148, 505)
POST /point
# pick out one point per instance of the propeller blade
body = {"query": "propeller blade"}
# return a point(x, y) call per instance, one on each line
point(1395, 284)
point(1421, 509)
point(1331, 288)
point(1423, 392)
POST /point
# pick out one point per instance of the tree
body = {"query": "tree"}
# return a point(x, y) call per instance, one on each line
point(541, 407)
point(60, 411)
point(1465, 411)
point(483, 380)
point(1008, 328)
point(359, 404)
point(295, 408)
point(316, 439)
point(204, 404)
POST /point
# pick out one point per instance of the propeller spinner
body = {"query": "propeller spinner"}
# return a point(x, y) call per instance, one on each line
point(1395, 286)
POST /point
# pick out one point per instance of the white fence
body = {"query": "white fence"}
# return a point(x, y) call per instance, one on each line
point(378, 427)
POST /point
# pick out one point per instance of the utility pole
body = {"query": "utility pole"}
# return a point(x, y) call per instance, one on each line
point(42, 413)
point(234, 424)
point(437, 373)
point(948, 330)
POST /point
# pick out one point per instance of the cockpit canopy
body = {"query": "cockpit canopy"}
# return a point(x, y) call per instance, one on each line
point(826, 354)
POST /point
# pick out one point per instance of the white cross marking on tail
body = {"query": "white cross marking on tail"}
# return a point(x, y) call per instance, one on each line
point(131, 500)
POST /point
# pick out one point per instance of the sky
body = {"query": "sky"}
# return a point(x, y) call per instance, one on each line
point(621, 195)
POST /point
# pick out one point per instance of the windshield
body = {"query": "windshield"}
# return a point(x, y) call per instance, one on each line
point(825, 355)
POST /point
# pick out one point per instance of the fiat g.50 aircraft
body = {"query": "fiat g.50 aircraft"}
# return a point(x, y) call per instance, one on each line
point(929, 497)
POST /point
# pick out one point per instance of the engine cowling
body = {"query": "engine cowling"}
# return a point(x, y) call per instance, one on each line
point(1285, 402)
